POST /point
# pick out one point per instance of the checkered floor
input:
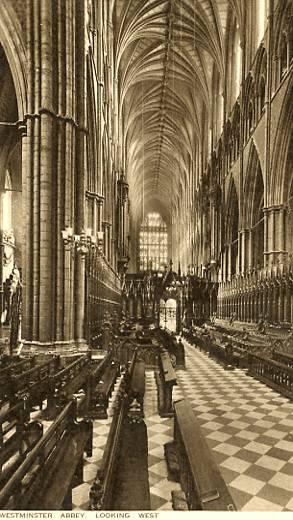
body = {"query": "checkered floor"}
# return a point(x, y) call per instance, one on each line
point(247, 425)
point(249, 428)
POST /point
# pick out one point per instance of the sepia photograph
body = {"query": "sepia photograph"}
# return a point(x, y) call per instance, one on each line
point(146, 258)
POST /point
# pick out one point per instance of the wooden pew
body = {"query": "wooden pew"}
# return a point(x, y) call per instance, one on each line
point(97, 370)
point(201, 480)
point(283, 357)
point(198, 337)
point(15, 367)
point(103, 391)
point(101, 492)
point(174, 347)
point(66, 382)
point(103, 488)
point(136, 390)
point(18, 435)
point(6, 360)
point(165, 379)
point(33, 384)
point(273, 373)
point(4, 349)
point(53, 468)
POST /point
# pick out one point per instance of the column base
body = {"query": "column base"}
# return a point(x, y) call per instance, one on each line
point(62, 348)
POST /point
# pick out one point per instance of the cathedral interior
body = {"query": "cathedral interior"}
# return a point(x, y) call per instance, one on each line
point(146, 255)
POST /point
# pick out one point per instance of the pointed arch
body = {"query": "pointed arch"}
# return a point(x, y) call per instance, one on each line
point(253, 186)
point(281, 175)
point(14, 47)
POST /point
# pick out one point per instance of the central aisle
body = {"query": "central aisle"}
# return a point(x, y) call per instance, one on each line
point(160, 431)
point(248, 426)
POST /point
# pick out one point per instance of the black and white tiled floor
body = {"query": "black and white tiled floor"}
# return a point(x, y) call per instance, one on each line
point(248, 426)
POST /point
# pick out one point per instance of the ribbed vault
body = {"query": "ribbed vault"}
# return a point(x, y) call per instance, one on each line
point(166, 54)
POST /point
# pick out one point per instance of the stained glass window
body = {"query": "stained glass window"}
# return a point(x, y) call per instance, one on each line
point(153, 243)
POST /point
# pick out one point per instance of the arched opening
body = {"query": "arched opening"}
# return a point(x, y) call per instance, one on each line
point(283, 55)
point(11, 218)
point(289, 169)
point(261, 16)
point(232, 232)
point(234, 57)
point(257, 221)
point(168, 314)
point(262, 93)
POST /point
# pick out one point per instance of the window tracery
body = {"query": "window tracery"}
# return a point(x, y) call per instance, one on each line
point(153, 243)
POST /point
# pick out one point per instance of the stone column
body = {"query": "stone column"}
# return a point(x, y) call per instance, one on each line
point(274, 308)
point(265, 300)
point(68, 292)
point(49, 171)
point(275, 234)
point(287, 303)
point(229, 253)
point(79, 111)
point(281, 304)
point(260, 303)
point(80, 299)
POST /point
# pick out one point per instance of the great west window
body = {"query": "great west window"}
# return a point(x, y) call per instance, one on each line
point(153, 243)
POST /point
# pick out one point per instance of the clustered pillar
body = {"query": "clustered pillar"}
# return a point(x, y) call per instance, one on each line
point(54, 173)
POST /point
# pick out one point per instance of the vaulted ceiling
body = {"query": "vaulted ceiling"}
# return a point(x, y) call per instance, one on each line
point(166, 52)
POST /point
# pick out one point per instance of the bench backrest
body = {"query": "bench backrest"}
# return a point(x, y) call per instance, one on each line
point(101, 493)
point(20, 365)
point(15, 493)
point(99, 369)
point(17, 437)
point(35, 375)
point(283, 357)
point(13, 369)
point(166, 368)
point(137, 382)
point(11, 422)
point(106, 474)
point(67, 374)
point(202, 481)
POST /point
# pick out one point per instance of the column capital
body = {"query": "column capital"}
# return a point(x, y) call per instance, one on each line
point(22, 128)
point(275, 208)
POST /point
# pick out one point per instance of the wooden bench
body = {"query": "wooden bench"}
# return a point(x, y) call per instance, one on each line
point(273, 373)
point(6, 360)
point(175, 348)
point(103, 391)
point(66, 382)
point(199, 337)
point(17, 437)
point(96, 373)
point(165, 379)
point(103, 488)
point(136, 390)
point(201, 479)
point(14, 367)
point(51, 470)
point(33, 384)
point(101, 492)
point(283, 357)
